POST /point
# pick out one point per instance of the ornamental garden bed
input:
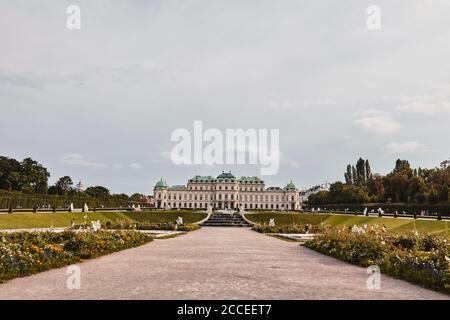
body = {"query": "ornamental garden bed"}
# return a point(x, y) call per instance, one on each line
point(27, 253)
point(422, 259)
point(152, 226)
point(293, 228)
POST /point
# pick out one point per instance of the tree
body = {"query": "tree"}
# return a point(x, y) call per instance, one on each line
point(10, 174)
point(97, 192)
point(64, 184)
point(368, 171)
point(361, 172)
point(354, 175)
point(417, 189)
point(35, 176)
point(136, 197)
point(376, 188)
point(348, 175)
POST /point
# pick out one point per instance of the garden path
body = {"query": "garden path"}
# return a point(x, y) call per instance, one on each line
point(214, 263)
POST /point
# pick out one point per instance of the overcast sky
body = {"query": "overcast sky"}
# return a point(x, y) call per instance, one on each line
point(100, 103)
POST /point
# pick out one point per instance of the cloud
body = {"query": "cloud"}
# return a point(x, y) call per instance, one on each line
point(280, 105)
point(294, 164)
point(404, 147)
point(76, 159)
point(135, 165)
point(427, 108)
point(376, 121)
point(40, 79)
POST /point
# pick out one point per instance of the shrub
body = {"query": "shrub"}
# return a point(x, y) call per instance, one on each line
point(26, 253)
point(418, 258)
point(188, 227)
point(152, 226)
point(287, 228)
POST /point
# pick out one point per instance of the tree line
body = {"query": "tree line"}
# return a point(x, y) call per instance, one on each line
point(30, 178)
point(403, 184)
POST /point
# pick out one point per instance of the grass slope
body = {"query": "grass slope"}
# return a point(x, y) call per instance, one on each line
point(45, 220)
point(399, 225)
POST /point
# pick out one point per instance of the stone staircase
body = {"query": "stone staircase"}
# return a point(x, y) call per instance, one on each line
point(225, 220)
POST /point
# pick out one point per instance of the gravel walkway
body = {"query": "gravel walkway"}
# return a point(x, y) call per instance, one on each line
point(214, 263)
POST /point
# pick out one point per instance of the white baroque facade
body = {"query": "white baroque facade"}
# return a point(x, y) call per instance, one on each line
point(226, 191)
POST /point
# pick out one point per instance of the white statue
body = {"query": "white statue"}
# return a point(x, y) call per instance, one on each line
point(241, 210)
point(85, 208)
point(96, 225)
point(272, 222)
point(71, 207)
point(138, 207)
point(380, 211)
point(365, 211)
point(209, 209)
point(179, 221)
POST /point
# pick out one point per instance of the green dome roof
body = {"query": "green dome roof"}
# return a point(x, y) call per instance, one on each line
point(290, 186)
point(226, 175)
point(161, 184)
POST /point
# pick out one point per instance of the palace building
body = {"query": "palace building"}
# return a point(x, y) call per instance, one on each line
point(226, 192)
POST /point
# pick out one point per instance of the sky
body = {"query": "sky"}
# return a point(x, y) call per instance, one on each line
point(100, 103)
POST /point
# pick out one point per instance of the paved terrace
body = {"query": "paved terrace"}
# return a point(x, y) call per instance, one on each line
point(214, 263)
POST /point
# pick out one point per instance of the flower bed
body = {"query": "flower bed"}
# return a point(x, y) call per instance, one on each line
point(287, 228)
point(152, 226)
point(26, 253)
point(422, 259)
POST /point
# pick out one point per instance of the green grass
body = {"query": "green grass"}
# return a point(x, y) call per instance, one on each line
point(398, 225)
point(49, 219)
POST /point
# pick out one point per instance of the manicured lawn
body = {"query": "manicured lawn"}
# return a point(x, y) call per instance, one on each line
point(46, 220)
point(398, 225)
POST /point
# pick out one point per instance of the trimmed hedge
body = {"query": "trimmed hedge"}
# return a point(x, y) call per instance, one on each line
point(152, 226)
point(287, 228)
